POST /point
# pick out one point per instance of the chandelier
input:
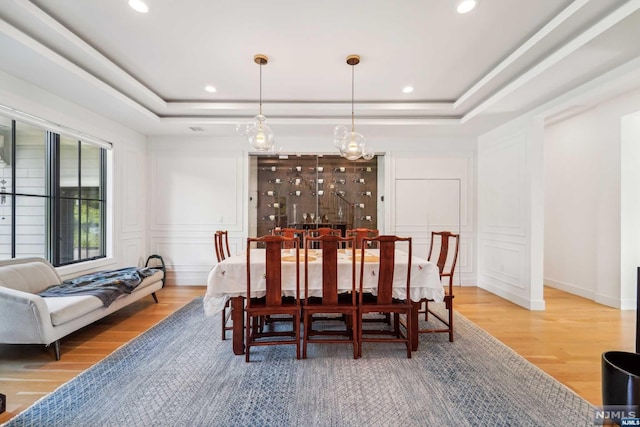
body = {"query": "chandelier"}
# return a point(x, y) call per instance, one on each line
point(259, 135)
point(351, 144)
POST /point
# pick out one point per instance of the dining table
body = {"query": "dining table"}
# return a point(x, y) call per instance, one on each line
point(227, 281)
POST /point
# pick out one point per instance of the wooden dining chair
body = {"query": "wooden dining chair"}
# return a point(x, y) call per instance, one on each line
point(290, 233)
point(447, 259)
point(380, 299)
point(324, 231)
point(273, 303)
point(221, 242)
point(361, 233)
point(331, 301)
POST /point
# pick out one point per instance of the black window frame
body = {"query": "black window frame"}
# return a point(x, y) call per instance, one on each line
point(53, 233)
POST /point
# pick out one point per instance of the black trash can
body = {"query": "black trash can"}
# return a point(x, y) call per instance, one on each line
point(620, 378)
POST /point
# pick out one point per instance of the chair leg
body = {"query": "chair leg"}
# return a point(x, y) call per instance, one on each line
point(224, 316)
point(354, 335)
point(305, 336)
point(247, 345)
point(450, 308)
point(296, 323)
point(409, 336)
point(359, 332)
point(396, 324)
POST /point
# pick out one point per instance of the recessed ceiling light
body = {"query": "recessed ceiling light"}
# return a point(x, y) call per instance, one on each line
point(407, 89)
point(210, 89)
point(465, 6)
point(139, 6)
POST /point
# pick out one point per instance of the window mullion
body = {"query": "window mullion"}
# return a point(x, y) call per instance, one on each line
point(53, 189)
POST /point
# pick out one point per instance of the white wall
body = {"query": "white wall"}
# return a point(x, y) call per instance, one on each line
point(199, 184)
point(630, 211)
point(435, 192)
point(196, 186)
point(510, 212)
point(572, 203)
point(126, 177)
point(591, 207)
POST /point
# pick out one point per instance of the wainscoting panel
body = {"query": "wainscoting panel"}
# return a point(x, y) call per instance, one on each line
point(506, 197)
point(435, 193)
point(188, 260)
point(503, 263)
point(196, 190)
point(503, 186)
point(132, 254)
point(131, 189)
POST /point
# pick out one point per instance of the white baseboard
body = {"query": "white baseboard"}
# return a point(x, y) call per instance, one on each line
point(570, 288)
point(627, 304)
point(533, 305)
point(187, 278)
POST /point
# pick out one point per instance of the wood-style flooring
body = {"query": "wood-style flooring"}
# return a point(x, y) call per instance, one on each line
point(566, 340)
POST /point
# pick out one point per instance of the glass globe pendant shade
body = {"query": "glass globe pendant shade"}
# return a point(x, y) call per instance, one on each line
point(352, 146)
point(368, 153)
point(339, 134)
point(260, 135)
point(243, 128)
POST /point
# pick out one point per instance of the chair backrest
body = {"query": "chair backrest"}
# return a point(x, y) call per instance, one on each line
point(221, 241)
point(362, 233)
point(290, 233)
point(329, 245)
point(448, 253)
point(323, 231)
point(273, 268)
point(387, 264)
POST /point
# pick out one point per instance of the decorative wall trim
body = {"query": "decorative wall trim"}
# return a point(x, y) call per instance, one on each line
point(221, 182)
point(131, 189)
point(514, 149)
point(500, 273)
point(535, 305)
point(570, 288)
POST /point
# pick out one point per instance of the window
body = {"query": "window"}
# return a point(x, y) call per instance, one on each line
point(52, 195)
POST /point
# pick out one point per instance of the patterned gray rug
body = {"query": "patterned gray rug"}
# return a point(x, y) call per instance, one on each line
point(180, 373)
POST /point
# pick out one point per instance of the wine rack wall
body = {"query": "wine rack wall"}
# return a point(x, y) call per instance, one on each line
point(310, 191)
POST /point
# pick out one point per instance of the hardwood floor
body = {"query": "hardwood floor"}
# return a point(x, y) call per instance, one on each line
point(28, 372)
point(566, 340)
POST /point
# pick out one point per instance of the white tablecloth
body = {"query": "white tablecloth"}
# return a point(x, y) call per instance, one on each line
point(229, 277)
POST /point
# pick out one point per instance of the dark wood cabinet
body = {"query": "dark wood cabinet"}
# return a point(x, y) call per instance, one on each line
point(310, 191)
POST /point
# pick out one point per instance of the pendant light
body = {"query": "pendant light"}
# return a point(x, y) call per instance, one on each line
point(351, 144)
point(259, 134)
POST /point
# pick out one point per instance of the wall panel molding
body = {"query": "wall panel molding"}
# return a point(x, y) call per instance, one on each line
point(422, 185)
point(131, 189)
point(196, 190)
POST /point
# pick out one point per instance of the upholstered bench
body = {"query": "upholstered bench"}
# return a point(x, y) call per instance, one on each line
point(28, 318)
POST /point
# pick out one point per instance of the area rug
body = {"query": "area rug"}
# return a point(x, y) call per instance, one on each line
point(180, 373)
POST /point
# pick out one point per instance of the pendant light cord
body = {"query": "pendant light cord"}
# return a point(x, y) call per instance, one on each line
point(353, 126)
point(261, 88)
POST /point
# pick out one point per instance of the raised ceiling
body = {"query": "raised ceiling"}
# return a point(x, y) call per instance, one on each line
point(469, 72)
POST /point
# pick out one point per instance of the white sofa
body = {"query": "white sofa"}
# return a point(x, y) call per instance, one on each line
point(27, 318)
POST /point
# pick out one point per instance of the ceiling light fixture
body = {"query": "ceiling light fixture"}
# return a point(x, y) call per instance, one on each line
point(465, 6)
point(210, 89)
point(260, 135)
point(407, 89)
point(139, 6)
point(351, 144)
